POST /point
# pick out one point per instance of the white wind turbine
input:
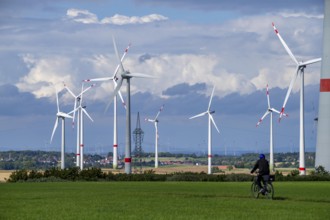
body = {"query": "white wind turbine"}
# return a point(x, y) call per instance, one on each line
point(60, 115)
point(271, 143)
point(210, 119)
point(125, 74)
point(115, 135)
point(300, 67)
point(80, 109)
point(155, 121)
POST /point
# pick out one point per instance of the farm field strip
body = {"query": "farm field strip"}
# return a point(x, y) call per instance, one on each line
point(162, 200)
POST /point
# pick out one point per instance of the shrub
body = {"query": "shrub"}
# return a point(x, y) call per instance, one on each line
point(237, 177)
point(18, 175)
point(91, 174)
point(279, 176)
point(35, 175)
point(294, 173)
point(320, 170)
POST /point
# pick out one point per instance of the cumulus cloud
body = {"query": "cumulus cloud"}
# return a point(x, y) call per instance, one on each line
point(86, 17)
point(82, 16)
point(43, 74)
point(239, 56)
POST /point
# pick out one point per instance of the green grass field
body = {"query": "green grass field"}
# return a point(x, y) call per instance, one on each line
point(162, 200)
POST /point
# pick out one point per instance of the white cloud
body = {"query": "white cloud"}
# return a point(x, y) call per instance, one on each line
point(240, 55)
point(43, 74)
point(82, 16)
point(86, 17)
point(301, 15)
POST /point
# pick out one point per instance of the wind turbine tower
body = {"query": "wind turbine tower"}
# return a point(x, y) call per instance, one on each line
point(323, 126)
point(270, 111)
point(210, 121)
point(300, 68)
point(62, 116)
point(115, 130)
point(124, 74)
point(155, 121)
point(80, 126)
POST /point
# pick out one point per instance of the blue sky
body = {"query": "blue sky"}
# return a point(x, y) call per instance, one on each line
point(188, 45)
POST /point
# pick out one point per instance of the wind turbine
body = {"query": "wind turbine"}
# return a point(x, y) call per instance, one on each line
point(271, 143)
point(210, 119)
point(80, 127)
point(115, 135)
point(60, 115)
point(300, 68)
point(155, 121)
point(125, 74)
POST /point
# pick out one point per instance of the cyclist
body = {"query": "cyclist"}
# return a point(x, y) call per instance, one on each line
point(263, 174)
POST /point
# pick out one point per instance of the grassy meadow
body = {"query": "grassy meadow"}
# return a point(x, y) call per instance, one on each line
point(162, 200)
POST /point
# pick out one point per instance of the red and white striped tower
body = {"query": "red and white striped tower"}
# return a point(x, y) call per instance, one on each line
point(209, 148)
point(78, 138)
point(322, 157)
point(115, 136)
point(81, 128)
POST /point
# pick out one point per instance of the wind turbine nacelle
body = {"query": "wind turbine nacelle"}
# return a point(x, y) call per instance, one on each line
point(211, 112)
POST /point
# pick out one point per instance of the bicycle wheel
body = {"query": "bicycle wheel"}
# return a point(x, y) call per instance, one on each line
point(270, 191)
point(255, 190)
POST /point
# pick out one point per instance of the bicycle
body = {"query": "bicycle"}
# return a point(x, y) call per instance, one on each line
point(255, 189)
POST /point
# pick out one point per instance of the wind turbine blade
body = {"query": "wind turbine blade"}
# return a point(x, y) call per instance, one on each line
point(122, 100)
point(211, 117)
point(121, 60)
point(278, 112)
point(114, 94)
point(139, 75)
point(275, 110)
point(86, 113)
point(119, 93)
point(288, 92)
point(54, 129)
point(73, 111)
point(311, 61)
point(116, 51)
point(75, 102)
point(81, 94)
point(285, 45)
point(69, 90)
point(62, 114)
point(98, 79)
point(199, 115)
point(211, 99)
point(83, 91)
point(262, 118)
point(267, 93)
point(149, 120)
point(58, 106)
point(161, 109)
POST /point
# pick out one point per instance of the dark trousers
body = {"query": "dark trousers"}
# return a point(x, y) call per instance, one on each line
point(264, 179)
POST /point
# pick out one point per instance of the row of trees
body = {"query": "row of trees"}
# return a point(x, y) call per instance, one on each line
point(15, 160)
point(96, 174)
